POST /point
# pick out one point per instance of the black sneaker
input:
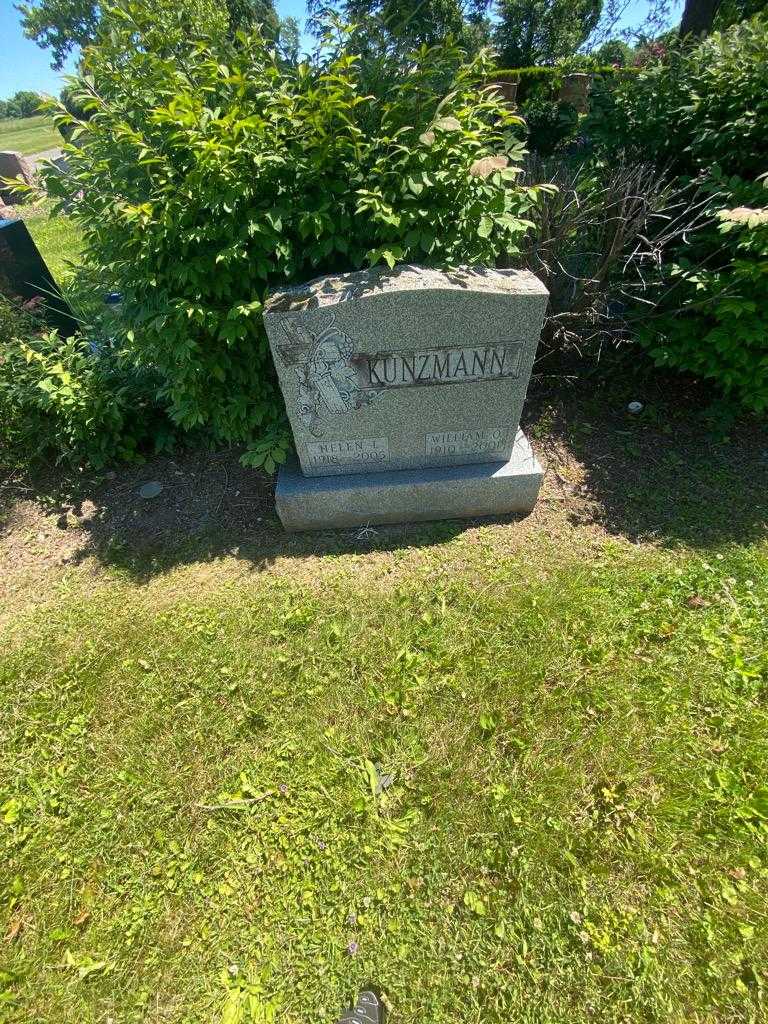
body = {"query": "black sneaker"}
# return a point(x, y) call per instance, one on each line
point(369, 1010)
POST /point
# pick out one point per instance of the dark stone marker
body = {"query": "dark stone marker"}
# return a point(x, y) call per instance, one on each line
point(23, 273)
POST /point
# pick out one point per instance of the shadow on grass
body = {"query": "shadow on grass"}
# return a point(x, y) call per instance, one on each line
point(670, 474)
point(209, 507)
point(684, 470)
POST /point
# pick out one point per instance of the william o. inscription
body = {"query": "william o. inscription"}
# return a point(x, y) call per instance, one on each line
point(480, 442)
point(440, 365)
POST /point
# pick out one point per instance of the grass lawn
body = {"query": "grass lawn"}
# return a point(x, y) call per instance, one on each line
point(511, 772)
point(28, 135)
point(59, 240)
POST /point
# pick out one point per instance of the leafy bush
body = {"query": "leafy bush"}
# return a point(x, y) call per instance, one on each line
point(699, 107)
point(59, 398)
point(206, 180)
point(78, 112)
point(715, 321)
point(551, 125)
point(702, 113)
point(64, 26)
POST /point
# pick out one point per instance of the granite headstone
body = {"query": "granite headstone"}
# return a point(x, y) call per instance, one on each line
point(14, 165)
point(406, 385)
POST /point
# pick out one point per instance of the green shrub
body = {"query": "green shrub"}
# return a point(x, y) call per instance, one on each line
point(67, 97)
point(702, 114)
point(715, 321)
point(551, 124)
point(204, 181)
point(60, 399)
point(700, 107)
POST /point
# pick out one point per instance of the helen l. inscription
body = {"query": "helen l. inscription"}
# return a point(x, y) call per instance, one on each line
point(368, 451)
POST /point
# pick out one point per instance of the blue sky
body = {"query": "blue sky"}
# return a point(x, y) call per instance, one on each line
point(23, 65)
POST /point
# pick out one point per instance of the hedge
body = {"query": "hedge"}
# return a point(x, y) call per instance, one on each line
point(545, 81)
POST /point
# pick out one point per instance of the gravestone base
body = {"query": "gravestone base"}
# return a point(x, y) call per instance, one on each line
point(412, 495)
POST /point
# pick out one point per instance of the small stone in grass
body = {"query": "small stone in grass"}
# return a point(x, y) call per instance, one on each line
point(150, 489)
point(635, 407)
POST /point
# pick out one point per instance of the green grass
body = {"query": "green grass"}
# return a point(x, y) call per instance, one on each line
point(59, 240)
point(28, 135)
point(575, 830)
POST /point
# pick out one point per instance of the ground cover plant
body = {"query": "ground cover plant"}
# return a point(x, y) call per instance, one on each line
point(518, 786)
point(29, 135)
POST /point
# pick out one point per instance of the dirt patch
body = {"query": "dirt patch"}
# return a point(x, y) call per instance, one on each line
point(659, 478)
point(55, 520)
point(211, 507)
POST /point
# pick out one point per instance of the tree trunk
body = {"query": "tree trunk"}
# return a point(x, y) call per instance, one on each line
point(698, 17)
